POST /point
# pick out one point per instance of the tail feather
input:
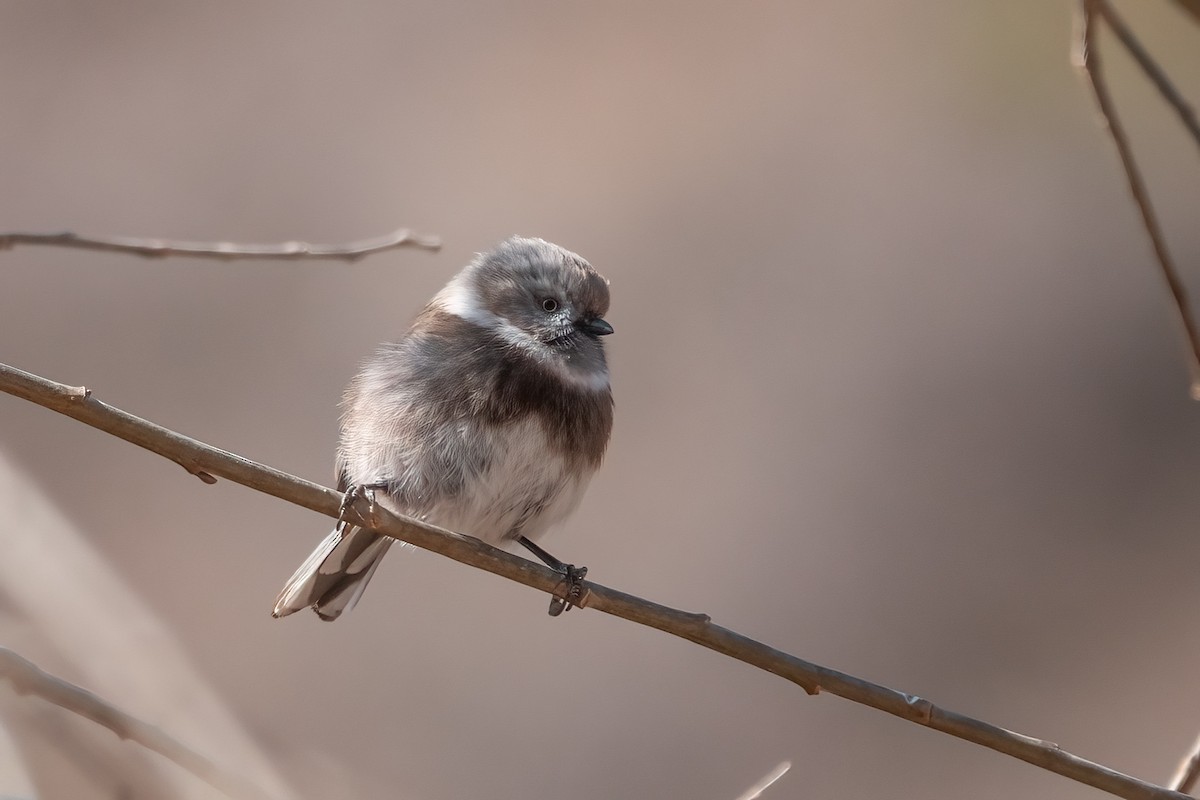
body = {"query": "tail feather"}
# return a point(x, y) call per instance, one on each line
point(334, 577)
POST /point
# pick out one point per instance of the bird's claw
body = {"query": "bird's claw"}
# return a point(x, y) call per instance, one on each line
point(353, 492)
point(572, 585)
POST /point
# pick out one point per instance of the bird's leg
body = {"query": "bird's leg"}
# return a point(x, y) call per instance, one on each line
point(572, 576)
point(355, 491)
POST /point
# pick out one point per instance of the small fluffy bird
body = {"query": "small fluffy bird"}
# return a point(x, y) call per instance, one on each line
point(488, 417)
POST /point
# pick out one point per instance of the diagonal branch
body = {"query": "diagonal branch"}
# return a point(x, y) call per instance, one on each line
point(1087, 58)
point(27, 678)
point(224, 251)
point(206, 462)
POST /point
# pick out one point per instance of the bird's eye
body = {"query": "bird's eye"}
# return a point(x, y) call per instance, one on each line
point(549, 304)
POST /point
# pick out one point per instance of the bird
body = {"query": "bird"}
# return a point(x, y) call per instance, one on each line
point(488, 417)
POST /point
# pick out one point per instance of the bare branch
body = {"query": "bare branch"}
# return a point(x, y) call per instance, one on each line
point(1087, 58)
point(27, 678)
point(1154, 72)
point(206, 461)
point(225, 251)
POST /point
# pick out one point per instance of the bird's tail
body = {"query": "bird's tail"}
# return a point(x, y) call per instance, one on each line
point(333, 578)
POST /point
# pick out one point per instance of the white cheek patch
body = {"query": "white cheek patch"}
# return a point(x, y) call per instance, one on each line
point(460, 299)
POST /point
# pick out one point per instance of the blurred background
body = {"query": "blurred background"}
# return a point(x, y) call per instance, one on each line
point(898, 387)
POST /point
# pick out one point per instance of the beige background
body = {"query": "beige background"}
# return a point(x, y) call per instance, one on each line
point(897, 390)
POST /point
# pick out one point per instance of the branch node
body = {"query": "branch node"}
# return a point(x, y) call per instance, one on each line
point(922, 707)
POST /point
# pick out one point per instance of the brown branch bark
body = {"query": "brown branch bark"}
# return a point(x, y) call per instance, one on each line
point(27, 678)
point(209, 463)
point(225, 251)
point(1087, 58)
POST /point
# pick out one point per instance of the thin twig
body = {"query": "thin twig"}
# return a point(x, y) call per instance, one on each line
point(27, 678)
point(1154, 72)
point(225, 251)
point(1087, 58)
point(207, 461)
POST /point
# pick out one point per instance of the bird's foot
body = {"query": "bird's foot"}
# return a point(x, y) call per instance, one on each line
point(353, 492)
point(572, 585)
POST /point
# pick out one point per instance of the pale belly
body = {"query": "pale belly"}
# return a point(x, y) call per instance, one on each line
point(525, 491)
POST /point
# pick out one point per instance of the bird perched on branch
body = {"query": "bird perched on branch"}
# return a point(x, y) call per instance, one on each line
point(488, 417)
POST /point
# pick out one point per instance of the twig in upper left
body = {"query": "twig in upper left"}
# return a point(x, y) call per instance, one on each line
point(225, 251)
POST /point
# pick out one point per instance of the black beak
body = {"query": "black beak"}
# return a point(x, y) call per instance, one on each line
point(594, 327)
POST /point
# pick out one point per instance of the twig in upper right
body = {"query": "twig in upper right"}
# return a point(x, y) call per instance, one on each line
point(1087, 58)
